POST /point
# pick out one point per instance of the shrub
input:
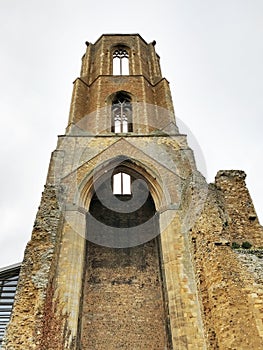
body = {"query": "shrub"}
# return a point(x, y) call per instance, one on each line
point(235, 245)
point(246, 245)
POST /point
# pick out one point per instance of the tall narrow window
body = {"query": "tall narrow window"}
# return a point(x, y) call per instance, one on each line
point(121, 184)
point(120, 62)
point(121, 114)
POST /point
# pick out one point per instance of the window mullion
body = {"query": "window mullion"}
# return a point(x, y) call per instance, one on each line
point(121, 117)
point(122, 183)
point(120, 66)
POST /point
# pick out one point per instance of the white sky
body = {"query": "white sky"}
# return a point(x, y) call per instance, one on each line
point(211, 52)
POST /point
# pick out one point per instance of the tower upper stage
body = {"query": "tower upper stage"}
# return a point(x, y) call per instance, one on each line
point(121, 64)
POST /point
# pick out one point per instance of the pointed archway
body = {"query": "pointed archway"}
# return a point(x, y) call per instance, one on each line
point(123, 298)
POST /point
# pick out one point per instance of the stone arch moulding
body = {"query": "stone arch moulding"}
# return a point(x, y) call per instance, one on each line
point(164, 181)
point(112, 96)
point(170, 234)
point(135, 168)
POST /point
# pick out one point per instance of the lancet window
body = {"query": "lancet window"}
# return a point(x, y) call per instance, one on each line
point(121, 114)
point(121, 184)
point(120, 62)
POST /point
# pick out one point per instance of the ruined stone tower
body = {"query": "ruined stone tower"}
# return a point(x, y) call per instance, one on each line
point(131, 249)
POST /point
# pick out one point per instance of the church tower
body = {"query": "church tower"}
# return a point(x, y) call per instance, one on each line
point(115, 258)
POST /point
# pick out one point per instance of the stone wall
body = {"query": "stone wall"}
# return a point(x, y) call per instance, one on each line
point(29, 312)
point(243, 224)
point(230, 293)
point(123, 305)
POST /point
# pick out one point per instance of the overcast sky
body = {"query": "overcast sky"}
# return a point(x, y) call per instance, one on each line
point(211, 52)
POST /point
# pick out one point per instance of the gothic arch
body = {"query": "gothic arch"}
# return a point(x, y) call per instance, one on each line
point(131, 166)
point(125, 93)
point(117, 248)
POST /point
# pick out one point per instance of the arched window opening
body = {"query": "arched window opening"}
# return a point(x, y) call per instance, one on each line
point(120, 62)
point(121, 114)
point(122, 184)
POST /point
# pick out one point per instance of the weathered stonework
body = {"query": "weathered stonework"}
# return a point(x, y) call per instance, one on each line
point(28, 317)
point(124, 284)
point(231, 293)
point(184, 286)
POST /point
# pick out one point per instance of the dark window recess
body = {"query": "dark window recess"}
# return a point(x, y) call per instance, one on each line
point(121, 114)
